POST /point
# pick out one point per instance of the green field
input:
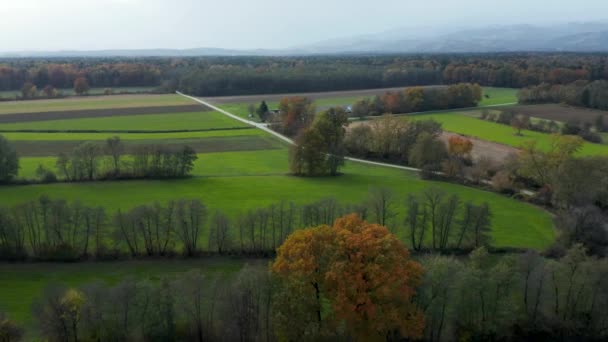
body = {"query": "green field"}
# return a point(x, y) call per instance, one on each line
point(15, 136)
point(22, 283)
point(152, 122)
point(465, 124)
point(498, 96)
point(92, 91)
point(243, 180)
point(93, 102)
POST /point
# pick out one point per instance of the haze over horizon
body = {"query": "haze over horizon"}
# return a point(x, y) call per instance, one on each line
point(39, 25)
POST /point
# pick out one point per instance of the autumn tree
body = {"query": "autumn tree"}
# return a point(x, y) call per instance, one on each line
point(541, 165)
point(428, 152)
point(49, 91)
point(320, 149)
point(296, 113)
point(29, 90)
point(81, 86)
point(460, 147)
point(520, 122)
point(360, 269)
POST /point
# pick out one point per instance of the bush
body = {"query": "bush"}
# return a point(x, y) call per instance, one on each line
point(9, 330)
point(59, 253)
point(45, 175)
point(502, 182)
point(591, 137)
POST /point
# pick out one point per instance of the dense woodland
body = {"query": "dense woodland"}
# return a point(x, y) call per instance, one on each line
point(352, 281)
point(212, 76)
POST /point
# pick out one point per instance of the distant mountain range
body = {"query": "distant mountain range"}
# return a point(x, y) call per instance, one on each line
point(573, 37)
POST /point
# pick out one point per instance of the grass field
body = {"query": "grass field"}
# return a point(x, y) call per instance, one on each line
point(22, 283)
point(498, 96)
point(16, 136)
point(153, 122)
point(242, 180)
point(92, 102)
point(465, 124)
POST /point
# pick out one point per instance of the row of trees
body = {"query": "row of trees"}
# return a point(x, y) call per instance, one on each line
point(418, 99)
point(580, 93)
point(574, 186)
point(348, 281)
point(396, 139)
point(94, 161)
point(519, 122)
point(48, 229)
point(15, 74)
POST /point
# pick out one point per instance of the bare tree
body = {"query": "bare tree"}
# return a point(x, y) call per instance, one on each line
point(383, 205)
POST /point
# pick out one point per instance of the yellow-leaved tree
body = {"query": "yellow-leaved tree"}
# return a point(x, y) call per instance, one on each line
point(353, 275)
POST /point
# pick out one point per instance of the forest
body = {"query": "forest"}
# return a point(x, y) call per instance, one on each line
point(215, 76)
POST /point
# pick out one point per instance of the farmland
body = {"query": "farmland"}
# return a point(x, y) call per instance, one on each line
point(238, 168)
point(92, 102)
point(466, 123)
point(558, 112)
point(238, 104)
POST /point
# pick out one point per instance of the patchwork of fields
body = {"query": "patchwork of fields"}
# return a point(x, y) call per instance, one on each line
point(239, 104)
point(468, 124)
point(238, 168)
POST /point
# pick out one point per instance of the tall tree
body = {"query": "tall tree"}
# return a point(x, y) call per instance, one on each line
point(81, 86)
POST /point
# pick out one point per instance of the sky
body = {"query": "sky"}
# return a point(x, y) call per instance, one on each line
point(43, 25)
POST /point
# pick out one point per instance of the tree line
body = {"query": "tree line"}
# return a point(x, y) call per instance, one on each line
point(574, 187)
point(419, 99)
point(14, 74)
point(350, 280)
point(58, 230)
point(322, 140)
point(214, 76)
point(91, 161)
point(580, 93)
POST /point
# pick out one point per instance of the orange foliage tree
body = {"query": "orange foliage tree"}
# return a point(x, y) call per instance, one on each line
point(459, 146)
point(361, 270)
point(297, 112)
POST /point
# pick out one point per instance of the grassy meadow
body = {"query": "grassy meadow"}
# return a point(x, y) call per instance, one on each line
point(92, 102)
point(151, 122)
point(465, 124)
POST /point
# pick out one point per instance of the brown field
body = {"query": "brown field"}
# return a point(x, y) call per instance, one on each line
point(485, 149)
point(96, 113)
point(313, 96)
point(558, 112)
point(44, 148)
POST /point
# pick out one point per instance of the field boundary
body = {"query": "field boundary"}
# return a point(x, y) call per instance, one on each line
point(9, 118)
point(123, 131)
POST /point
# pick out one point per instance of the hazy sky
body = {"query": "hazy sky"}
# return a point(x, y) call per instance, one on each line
point(134, 24)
